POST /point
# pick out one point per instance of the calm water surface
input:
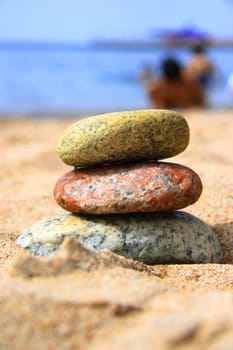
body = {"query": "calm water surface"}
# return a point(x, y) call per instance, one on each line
point(87, 80)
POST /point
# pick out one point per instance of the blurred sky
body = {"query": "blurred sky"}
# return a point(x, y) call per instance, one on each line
point(91, 19)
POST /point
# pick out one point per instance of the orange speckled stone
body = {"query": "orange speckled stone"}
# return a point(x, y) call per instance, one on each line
point(128, 188)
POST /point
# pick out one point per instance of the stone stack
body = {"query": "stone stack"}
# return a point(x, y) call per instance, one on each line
point(121, 197)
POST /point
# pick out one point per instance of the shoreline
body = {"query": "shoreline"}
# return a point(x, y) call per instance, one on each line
point(64, 115)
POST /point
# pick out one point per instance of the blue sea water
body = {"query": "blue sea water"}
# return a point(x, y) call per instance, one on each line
point(88, 80)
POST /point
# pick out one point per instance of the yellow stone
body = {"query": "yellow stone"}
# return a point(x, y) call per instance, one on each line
point(124, 136)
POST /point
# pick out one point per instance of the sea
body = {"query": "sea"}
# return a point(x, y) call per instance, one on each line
point(88, 80)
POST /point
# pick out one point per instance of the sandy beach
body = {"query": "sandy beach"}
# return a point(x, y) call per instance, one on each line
point(78, 299)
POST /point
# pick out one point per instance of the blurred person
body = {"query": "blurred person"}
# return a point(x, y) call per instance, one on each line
point(200, 67)
point(230, 84)
point(146, 74)
point(174, 89)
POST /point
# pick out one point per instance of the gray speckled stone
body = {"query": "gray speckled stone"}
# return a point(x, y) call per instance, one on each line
point(172, 237)
point(124, 136)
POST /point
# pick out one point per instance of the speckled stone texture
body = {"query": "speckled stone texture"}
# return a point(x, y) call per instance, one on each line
point(128, 188)
point(172, 237)
point(120, 136)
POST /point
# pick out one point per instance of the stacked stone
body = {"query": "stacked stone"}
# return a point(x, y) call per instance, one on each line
point(122, 197)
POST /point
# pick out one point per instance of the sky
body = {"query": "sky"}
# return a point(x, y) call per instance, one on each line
point(81, 20)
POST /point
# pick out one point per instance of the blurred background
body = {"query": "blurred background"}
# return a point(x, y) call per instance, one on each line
point(63, 57)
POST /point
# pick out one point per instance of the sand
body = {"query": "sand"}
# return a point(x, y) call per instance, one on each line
point(78, 299)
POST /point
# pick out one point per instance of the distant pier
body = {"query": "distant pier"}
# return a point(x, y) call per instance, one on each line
point(110, 44)
point(150, 45)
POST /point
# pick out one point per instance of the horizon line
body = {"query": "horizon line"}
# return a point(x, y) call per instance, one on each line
point(41, 44)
